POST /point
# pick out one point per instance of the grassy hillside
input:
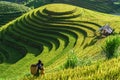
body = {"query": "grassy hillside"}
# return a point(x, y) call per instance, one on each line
point(106, 6)
point(9, 11)
point(52, 33)
point(31, 3)
point(97, 5)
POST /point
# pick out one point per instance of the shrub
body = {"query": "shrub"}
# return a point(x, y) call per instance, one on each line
point(111, 47)
point(72, 61)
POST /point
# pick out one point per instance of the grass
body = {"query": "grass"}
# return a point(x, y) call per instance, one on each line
point(72, 61)
point(50, 36)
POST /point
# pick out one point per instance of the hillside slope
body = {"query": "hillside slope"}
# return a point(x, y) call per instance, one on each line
point(106, 6)
point(10, 11)
point(102, 6)
point(51, 33)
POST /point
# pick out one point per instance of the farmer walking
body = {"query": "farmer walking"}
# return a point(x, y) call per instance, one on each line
point(37, 69)
point(40, 67)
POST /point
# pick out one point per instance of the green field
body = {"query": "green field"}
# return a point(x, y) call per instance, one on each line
point(54, 33)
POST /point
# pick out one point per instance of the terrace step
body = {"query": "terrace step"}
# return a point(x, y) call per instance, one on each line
point(38, 38)
point(23, 39)
point(51, 10)
point(3, 54)
point(60, 17)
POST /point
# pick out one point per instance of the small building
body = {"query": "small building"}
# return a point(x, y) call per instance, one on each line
point(106, 30)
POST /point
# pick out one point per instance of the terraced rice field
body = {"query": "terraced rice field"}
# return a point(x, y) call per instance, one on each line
point(50, 33)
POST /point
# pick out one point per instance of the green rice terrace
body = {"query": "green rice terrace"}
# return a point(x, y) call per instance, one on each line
point(55, 34)
point(10, 11)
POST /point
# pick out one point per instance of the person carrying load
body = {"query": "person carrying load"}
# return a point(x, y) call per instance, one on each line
point(35, 68)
